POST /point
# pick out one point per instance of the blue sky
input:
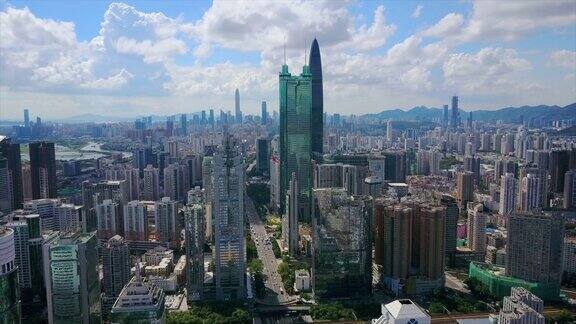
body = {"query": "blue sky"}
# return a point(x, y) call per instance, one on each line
point(131, 58)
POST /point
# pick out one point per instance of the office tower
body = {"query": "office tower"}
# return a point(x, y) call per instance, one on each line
point(151, 188)
point(570, 189)
point(26, 182)
point(559, 165)
point(227, 190)
point(315, 63)
point(5, 187)
point(69, 217)
point(389, 131)
point(47, 209)
point(476, 228)
point(10, 311)
point(351, 181)
point(262, 154)
point(464, 187)
point(328, 176)
point(395, 166)
point(341, 244)
point(43, 167)
point(139, 299)
point(26, 118)
point(183, 125)
point(237, 106)
point(195, 225)
point(508, 192)
point(290, 219)
point(211, 119)
point(445, 116)
point(71, 277)
point(530, 196)
point(450, 239)
point(296, 136)
point(11, 152)
point(521, 307)
point(376, 166)
point(275, 182)
point(455, 118)
point(135, 221)
point(116, 268)
point(109, 219)
point(170, 126)
point(534, 249)
point(264, 115)
point(167, 227)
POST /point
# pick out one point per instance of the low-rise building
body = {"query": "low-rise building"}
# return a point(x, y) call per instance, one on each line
point(402, 311)
point(302, 280)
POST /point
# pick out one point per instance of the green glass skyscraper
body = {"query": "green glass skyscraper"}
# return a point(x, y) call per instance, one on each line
point(296, 136)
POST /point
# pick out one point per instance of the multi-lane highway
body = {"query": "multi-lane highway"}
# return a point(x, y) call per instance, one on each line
point(275, 293)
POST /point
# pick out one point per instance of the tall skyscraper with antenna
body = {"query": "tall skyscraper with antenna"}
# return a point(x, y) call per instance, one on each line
point(315, 63)
point(296, 137)
point(237, 106)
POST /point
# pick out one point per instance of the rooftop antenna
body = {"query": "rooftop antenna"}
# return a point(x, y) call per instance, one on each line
point(284, 49)
point(305, 44)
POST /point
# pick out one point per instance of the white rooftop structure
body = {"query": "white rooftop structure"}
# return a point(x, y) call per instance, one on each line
point(402, 311)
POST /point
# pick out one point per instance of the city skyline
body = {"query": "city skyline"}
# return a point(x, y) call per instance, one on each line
point(98, 58)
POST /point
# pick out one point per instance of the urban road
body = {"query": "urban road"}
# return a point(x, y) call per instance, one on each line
point(275, 294)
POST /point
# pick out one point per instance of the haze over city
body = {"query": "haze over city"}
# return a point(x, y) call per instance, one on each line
point(62, 59)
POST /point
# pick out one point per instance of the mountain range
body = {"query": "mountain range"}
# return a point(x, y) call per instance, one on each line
point(508, 114)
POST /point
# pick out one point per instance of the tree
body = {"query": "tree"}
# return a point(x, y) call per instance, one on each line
point(436, 308)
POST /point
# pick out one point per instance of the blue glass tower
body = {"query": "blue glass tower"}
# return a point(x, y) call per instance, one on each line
point(315, 63)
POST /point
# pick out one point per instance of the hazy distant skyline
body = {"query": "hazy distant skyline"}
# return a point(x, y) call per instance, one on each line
point(64, 58)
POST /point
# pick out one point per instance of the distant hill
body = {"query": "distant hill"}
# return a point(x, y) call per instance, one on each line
point(508, 114)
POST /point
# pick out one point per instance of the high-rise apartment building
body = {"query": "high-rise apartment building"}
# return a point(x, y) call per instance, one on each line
point(132, 177)
point(71, 277)
point(296, 136)
point(135, 221)
point(43, 168)
point(508, 191)
point(530, 195)
point(451, 227)
point(10, 311)
point(11, 152)
point(109, 217)
point(464, 188)
point(341, 248)
point(166, 221)
point(534, 248)
point(227, 191)
point(195, 225)
point(521, 307)
point(151, 183)
point(48, 211)
point(570, 189)
point(476, 228)
point(116, 271)
point(315, 63)
point(409, 246)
